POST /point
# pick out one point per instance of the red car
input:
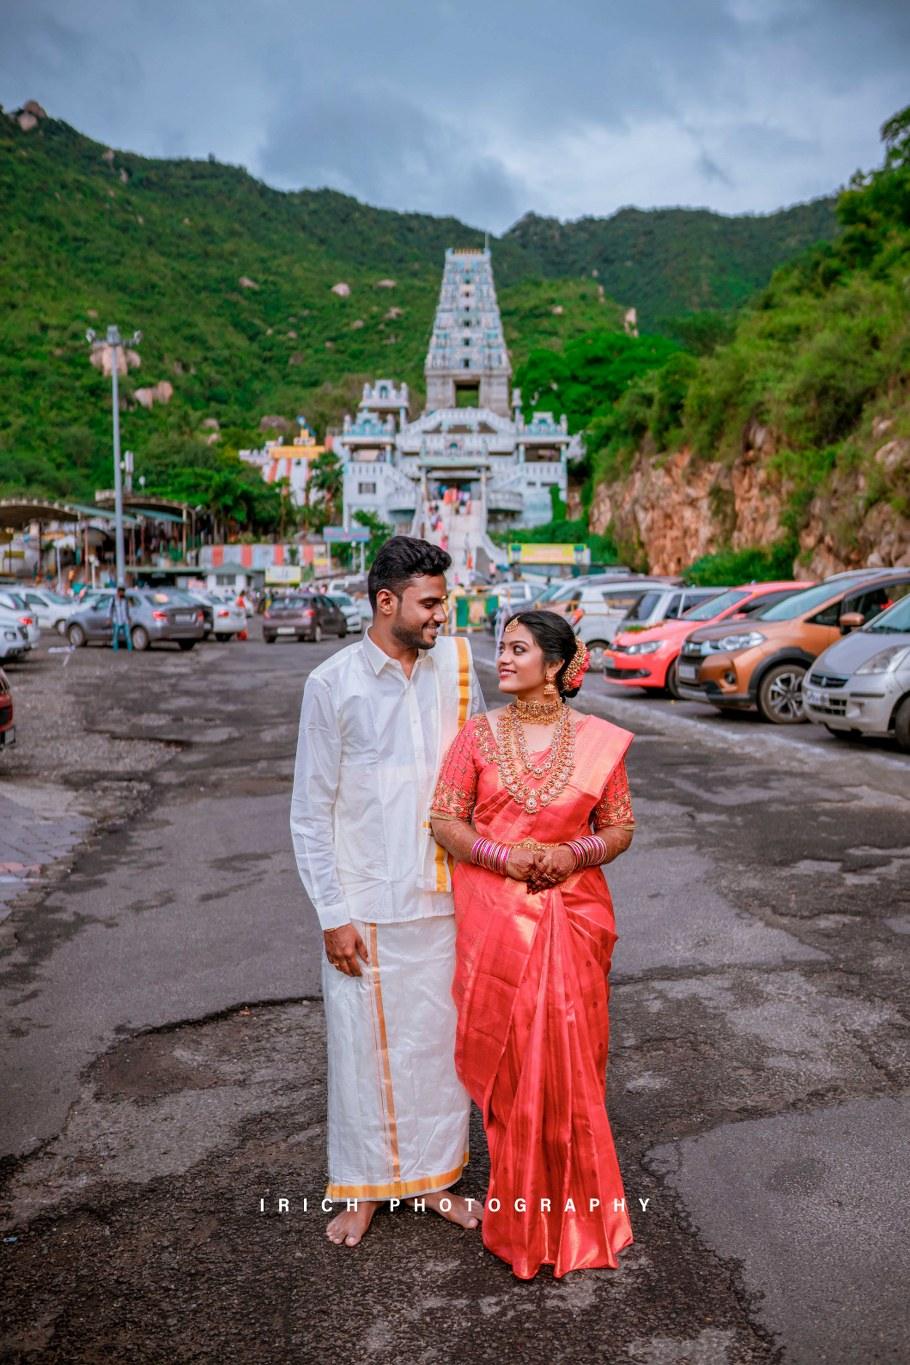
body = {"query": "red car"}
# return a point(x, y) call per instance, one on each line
point(7, 729)
point(650, 658)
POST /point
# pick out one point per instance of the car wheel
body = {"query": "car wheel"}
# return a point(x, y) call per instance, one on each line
point(186, 645)
point(140, 638)
point(269, 639)
point(844, 734)
point(902, 725)
point(671, 682)
point(780, 695)
point(596, 653)
point(76, 636)
point(221, 637)
point(60, 627)
point(317, 634)
point(343, 632)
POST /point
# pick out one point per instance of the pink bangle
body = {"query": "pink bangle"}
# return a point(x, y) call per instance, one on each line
point(588, 851)
point(490, 855)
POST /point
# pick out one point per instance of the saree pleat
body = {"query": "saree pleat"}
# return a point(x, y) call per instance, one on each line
point(532, 991)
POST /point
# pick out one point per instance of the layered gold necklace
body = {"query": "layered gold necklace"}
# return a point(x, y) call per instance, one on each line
point(557, 766)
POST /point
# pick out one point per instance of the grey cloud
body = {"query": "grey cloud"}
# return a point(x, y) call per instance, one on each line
point(709, 170)
point(385, 149)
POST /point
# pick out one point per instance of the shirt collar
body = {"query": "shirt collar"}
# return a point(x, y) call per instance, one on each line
point(378, 659)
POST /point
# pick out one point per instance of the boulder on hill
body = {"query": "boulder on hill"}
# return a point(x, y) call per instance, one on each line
point(246, 283)
point(273, 422)
point(385, 284)
point(162, 392)
point(29, 115)
point(342, 289)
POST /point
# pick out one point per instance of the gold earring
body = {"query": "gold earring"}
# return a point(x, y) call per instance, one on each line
point(549, 691)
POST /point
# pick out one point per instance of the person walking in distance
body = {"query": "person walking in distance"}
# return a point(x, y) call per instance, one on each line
point(120, 619)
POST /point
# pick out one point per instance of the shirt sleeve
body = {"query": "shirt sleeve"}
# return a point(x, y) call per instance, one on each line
point(456, 787)
point(615, 804)
point(316, 774)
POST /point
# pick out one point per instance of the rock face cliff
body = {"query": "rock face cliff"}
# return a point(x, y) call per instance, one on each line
point(671, 509)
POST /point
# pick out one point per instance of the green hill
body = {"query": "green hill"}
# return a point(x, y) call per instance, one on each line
point(230, 282)
point(669, 262)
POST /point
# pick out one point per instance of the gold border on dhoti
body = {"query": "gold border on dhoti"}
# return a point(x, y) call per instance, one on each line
point(397, 1189)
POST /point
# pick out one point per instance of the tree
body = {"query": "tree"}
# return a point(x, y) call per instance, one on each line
point(327, 479)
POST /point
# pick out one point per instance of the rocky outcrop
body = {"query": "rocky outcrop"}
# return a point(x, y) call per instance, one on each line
point(271, 422)
point(162, 392)
point(342, 289)
point(671, 509)
point(30, 115)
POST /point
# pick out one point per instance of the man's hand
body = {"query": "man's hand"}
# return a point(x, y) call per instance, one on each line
point(343, 946)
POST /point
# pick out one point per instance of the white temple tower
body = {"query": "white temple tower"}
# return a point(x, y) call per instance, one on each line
point(467, 362)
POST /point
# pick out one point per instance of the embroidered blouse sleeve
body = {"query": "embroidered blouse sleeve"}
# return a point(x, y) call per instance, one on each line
point(456, 787)
point(615, 804)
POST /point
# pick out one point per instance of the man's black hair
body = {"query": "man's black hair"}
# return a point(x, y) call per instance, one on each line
point(402, 558)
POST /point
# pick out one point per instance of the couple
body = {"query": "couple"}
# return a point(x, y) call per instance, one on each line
point(409, 797)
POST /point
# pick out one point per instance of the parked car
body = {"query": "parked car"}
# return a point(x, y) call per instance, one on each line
point(51, 609)
point(309, 616)
point(14, 602)
point(349, 610)
point(651, 658)
point(600, 611)
point(156, 615)
point(860, 685)
point(228, 616)
point(7, 728)
point(14, 641)
point(763, 665)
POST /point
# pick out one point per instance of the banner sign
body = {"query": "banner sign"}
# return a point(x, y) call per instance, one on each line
point(344, 535)
point(550, 554)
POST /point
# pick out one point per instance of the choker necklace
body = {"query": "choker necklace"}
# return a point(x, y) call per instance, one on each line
point(537, 712)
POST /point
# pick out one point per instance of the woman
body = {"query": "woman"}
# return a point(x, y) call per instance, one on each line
point(531, 800)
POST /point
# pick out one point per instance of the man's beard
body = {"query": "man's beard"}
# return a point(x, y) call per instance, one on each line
point(411, 639)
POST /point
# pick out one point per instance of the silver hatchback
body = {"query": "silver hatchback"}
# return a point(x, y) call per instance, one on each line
point(860, 685)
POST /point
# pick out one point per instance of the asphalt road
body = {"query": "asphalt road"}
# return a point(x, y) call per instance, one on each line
point(163, 1051)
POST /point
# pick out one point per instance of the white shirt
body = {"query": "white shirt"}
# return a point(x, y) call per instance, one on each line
point(363, 783)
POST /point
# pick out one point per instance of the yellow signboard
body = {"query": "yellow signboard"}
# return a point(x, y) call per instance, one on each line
point(549, 554)
point(285, 575)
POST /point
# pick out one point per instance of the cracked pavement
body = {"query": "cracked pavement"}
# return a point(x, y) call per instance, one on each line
point(164, 1049)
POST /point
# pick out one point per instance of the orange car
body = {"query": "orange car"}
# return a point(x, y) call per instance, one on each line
point(762, 664)
point(650, 658)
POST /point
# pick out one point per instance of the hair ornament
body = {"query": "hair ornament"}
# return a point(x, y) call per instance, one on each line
point(574, 674)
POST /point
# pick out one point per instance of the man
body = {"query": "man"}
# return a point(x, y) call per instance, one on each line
point(119, 616)
point(376, 721)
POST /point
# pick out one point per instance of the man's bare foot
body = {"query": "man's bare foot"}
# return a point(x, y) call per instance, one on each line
point(348, 1228)
point(466, 1213)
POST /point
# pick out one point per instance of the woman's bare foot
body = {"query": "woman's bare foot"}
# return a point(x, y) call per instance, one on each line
point(467, 1214)
point(348, 1228)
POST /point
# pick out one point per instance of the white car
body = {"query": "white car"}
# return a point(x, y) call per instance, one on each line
point(15, 603)
point(51, 609)
point(860, 685)
point(14, 641)
point(227, 617)
point(349, 609)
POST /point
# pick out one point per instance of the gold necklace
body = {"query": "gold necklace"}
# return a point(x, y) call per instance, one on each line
point(563, 754)
point(540, 769)
point(536, 711)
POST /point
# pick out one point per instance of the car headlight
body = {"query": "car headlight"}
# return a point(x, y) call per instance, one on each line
point(728, 643)
point(885, 662)
point(646, 647)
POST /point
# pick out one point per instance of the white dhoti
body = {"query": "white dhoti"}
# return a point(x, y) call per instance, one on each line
point(397, 1113)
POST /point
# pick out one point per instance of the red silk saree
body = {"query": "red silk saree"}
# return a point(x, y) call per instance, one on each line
point(531, 987)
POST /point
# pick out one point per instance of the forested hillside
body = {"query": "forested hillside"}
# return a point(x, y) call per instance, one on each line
point(231, 283)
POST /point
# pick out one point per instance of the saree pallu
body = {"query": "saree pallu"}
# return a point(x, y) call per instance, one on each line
point(532, 991)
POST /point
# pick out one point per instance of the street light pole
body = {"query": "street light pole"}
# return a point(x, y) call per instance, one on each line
point(116, 344)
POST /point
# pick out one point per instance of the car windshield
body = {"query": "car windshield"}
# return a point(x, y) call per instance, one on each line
point(289, 603)
point(341, 599)
point(714, 605)
point(13, 599)
point(162, 597)
point(645, 606)
point(801, 602)
point(896, 620)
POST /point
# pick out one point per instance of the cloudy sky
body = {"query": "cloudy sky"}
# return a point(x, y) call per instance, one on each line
point(481, 108)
